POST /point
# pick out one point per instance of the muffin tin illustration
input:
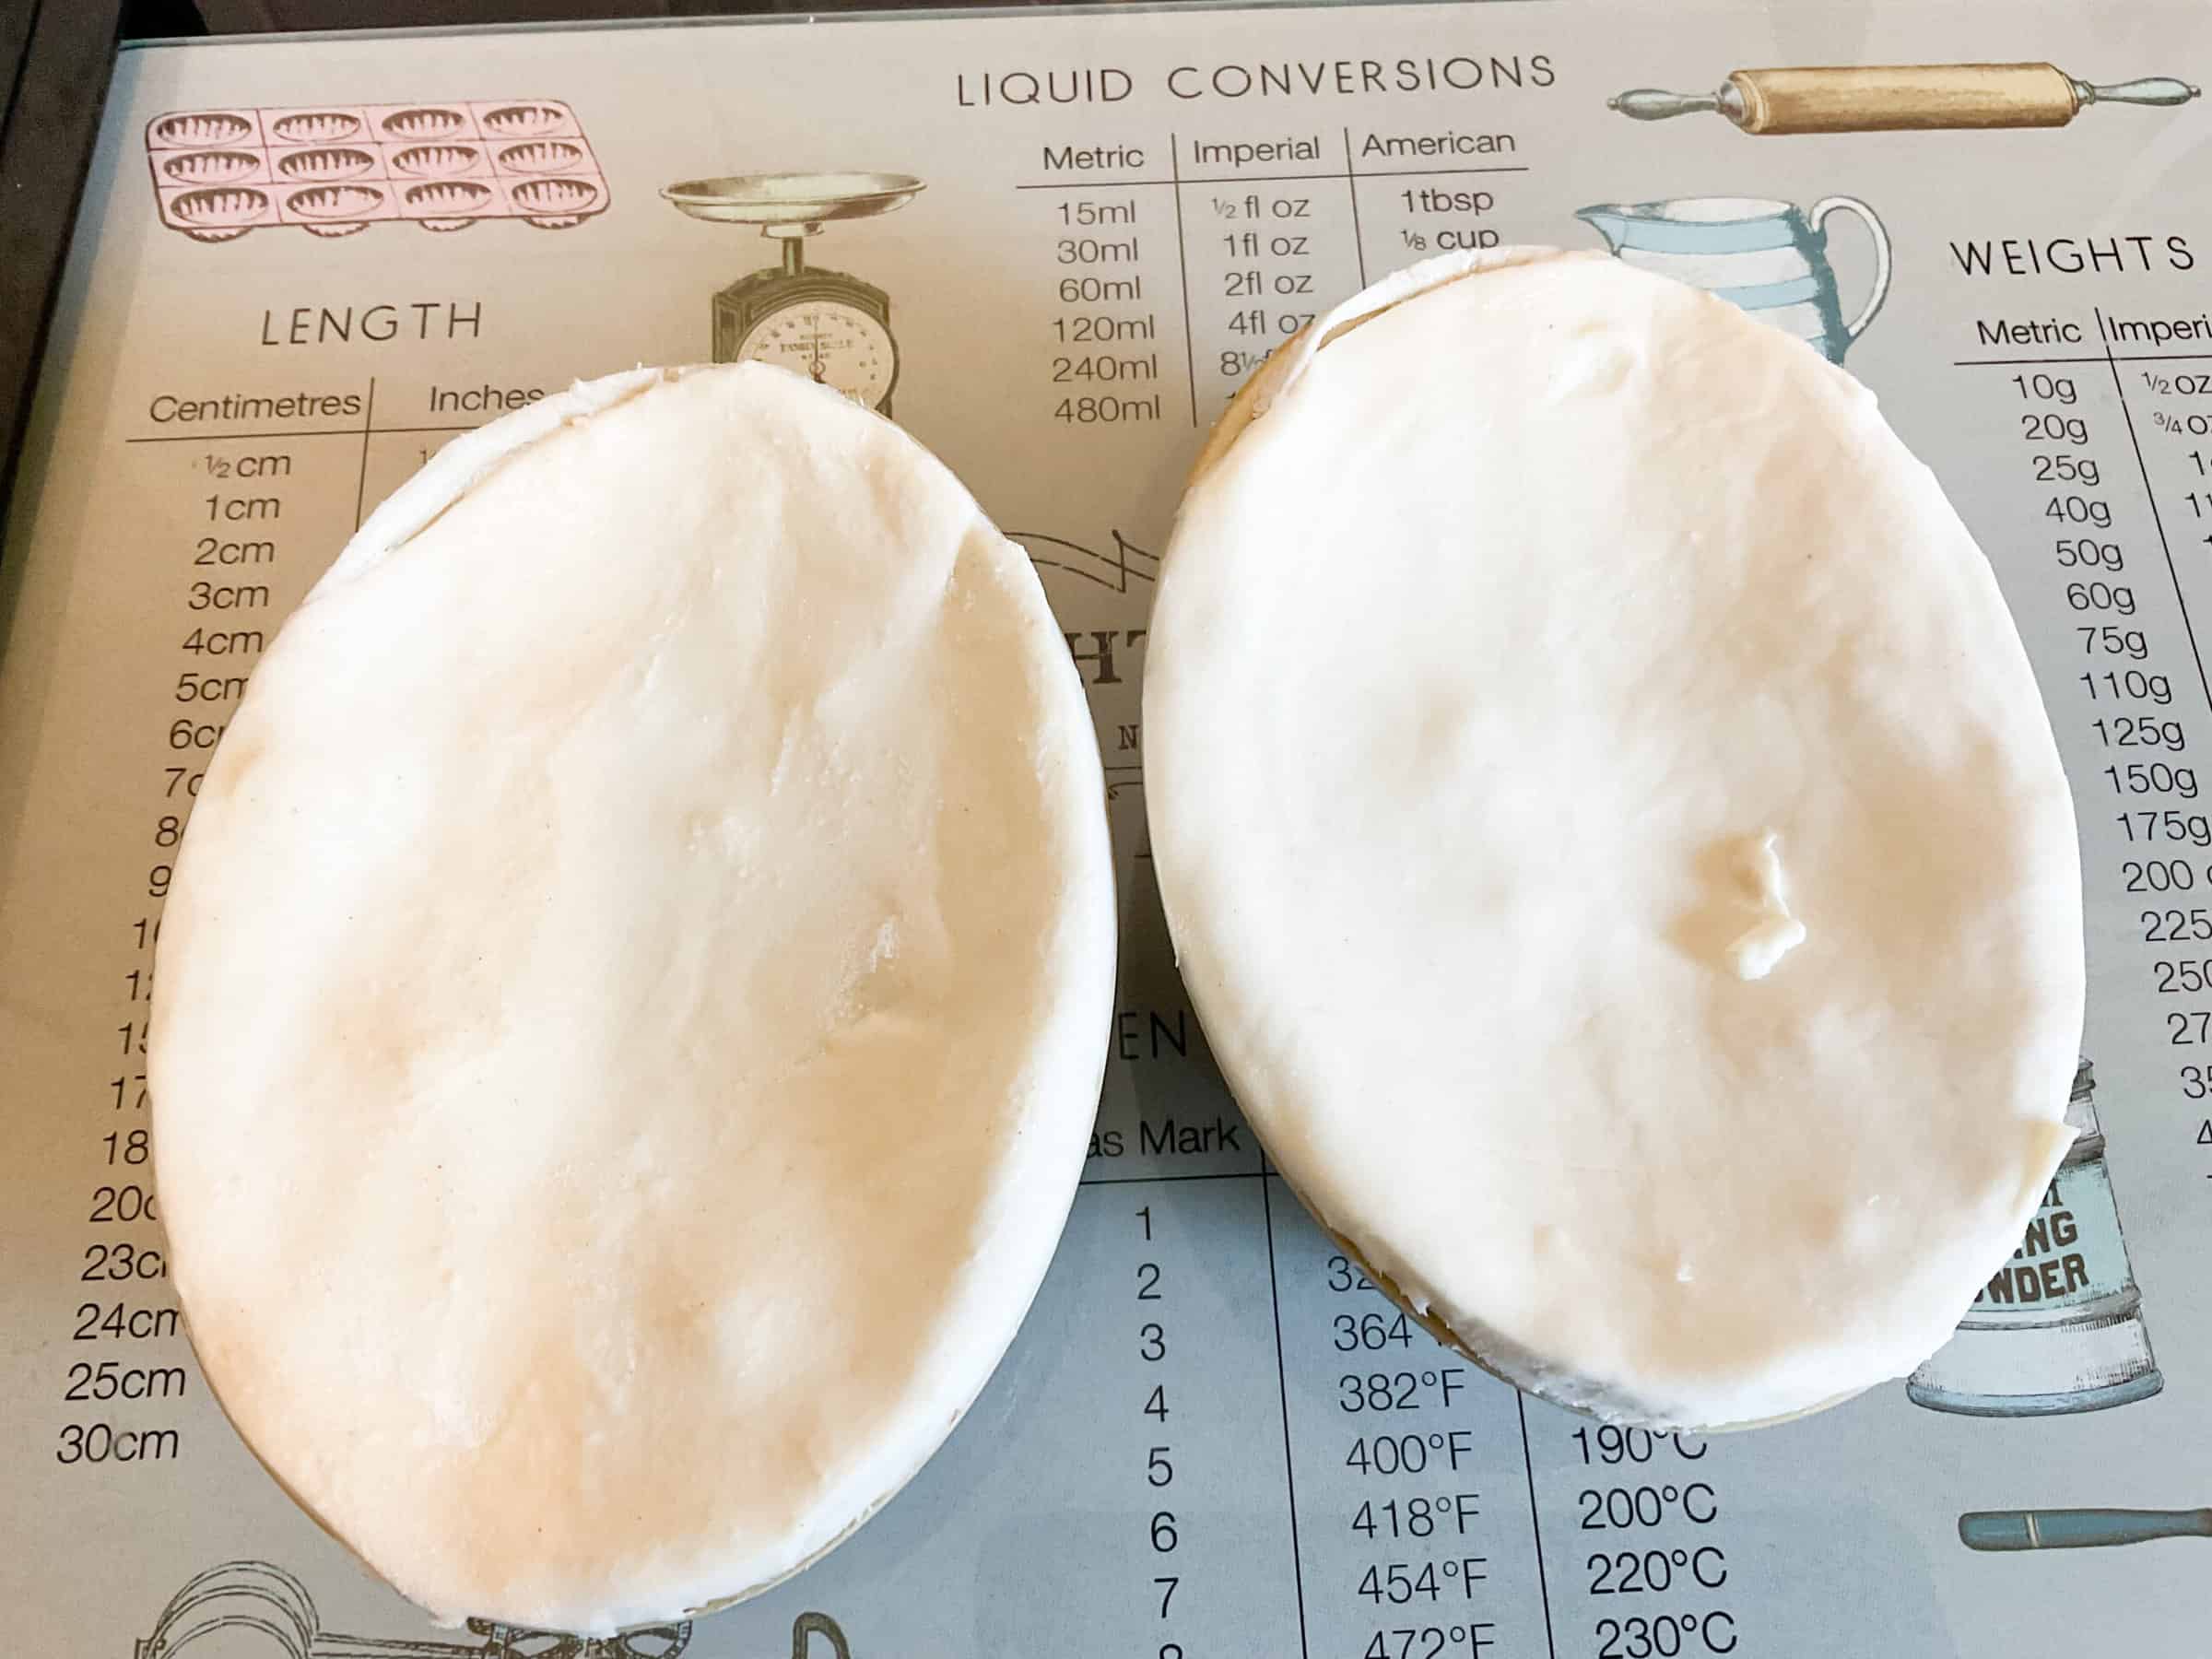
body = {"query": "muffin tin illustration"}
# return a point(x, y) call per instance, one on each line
point(335, 170)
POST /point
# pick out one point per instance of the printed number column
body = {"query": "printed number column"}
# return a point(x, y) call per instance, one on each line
point(1415, 1539)
point(1108, 274)
point(2101, 470)
point(2137, 679)
point(1268, 243)
point(233, 527)
point(1165, 1441)
point(1424, 192)
point(1637, 1540)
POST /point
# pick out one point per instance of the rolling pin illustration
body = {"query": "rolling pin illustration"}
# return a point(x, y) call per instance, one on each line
point(1899, 98)
point(2079, 1528)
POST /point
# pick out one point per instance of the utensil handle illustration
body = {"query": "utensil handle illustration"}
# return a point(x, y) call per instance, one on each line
point(2079, 1528)
point(1648, 103)
point(2160, 91)
point(1818, 216)
point(1899, 98)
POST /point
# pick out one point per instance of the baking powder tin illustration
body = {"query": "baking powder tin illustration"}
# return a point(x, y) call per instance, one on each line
point(2059, 1327)
point(336, 170)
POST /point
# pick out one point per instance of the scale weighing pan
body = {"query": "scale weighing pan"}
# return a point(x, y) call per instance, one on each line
point(779, 202)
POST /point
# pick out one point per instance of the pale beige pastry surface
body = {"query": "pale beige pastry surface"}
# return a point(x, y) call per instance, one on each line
point(1613, 838)
point(632, 1001)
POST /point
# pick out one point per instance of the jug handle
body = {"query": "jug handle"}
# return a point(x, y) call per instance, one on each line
point(1880, 291)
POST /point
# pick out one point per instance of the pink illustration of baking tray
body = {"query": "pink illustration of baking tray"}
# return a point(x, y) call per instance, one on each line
point(336, 169)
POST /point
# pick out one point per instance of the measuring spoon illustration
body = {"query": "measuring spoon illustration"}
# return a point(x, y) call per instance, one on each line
point(268, 1610)
point(274, 1613)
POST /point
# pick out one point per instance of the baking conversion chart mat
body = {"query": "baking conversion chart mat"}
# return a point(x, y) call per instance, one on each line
point(301, 266)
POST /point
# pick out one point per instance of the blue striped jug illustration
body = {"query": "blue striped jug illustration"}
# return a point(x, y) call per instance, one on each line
point(1768, 257)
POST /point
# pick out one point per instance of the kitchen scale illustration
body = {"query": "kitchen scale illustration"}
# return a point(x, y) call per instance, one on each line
point(826, 324)
point(258, 1610)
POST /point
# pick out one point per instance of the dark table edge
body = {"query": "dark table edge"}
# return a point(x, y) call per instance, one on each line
point(60, 69)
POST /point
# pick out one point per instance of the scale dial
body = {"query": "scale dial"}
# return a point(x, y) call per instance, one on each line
point(831, 342)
